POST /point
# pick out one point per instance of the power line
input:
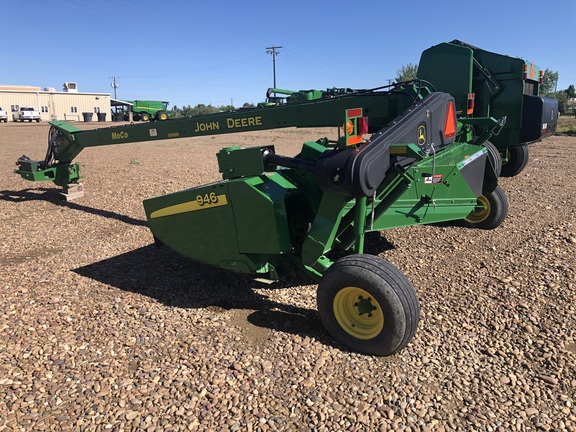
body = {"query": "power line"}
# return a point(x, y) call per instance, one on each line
point(114, 85)
point(272, 50)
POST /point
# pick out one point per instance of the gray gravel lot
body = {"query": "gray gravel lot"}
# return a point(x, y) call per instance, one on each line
point(102, 331)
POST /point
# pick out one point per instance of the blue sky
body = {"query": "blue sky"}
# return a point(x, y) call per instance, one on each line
point(214, 52)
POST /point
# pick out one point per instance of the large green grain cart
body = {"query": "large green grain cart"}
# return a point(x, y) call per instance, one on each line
point(494, 94)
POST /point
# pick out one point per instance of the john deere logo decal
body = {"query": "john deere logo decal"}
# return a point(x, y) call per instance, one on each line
point(421, 135)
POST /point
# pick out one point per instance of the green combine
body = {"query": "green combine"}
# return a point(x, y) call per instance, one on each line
point(147, 110)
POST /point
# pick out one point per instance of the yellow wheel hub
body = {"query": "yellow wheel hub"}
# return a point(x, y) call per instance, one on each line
point(358, 313)
point(482, 211)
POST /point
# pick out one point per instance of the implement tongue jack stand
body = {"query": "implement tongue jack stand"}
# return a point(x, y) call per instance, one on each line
point(72, 192)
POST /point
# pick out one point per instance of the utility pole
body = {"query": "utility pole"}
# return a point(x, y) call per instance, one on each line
point(114, 85)
point(272, 50)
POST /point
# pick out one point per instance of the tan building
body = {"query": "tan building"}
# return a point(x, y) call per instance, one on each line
point(68, 105)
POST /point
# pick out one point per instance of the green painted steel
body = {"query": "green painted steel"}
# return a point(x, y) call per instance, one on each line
point(499, 85)
point(231, 224)
point(61, 174)
point(381, 107)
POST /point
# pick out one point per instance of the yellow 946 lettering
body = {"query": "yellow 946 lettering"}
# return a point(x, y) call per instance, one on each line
point(209, 198)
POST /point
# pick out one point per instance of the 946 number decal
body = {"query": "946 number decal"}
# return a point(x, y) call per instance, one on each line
point(207, 199)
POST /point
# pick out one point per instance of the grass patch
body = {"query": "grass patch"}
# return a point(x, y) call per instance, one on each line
point(566, 126)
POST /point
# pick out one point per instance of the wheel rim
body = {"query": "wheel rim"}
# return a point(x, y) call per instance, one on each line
point(358, 313)
point(482, 211)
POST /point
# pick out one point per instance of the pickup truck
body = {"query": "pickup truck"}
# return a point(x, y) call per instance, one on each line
point(3, 115)
point(26, 113)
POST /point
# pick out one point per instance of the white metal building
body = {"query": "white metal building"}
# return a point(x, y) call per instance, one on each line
point(68, 105)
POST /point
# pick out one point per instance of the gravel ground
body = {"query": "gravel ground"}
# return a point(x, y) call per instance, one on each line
point(102, 331)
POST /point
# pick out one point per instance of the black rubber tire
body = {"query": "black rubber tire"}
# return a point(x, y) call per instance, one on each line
point(494, 157)
point(396, 309)
point(161, 116)
point(517, 161)
point(494, 213)
point(144, 116)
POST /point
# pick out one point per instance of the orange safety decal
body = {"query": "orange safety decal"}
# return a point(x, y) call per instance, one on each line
point(450, 125)
point(353, 140)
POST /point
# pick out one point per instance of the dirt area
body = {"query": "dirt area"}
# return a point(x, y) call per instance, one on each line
point(102, 331)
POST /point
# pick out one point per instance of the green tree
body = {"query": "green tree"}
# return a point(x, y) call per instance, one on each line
point(562, 98)
point(176, 112)
point(406, 73)
point(186, 111)
point(548, 86)
point(202, 109)
point(571, 91)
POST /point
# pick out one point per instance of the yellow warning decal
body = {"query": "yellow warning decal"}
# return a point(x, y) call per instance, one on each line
point(202, 202)
point(421, 135)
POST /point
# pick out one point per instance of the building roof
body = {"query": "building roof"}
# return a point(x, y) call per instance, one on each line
point(19, 88)
point(118, 102)
point(32, 89)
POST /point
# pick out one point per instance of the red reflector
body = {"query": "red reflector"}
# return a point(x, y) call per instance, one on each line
point(470, 109)
point(355, 112)
point(532, 71)
point(362, 125)
point(450, 125)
